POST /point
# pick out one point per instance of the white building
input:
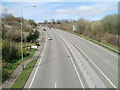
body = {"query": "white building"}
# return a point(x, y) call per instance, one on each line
point(75, 28)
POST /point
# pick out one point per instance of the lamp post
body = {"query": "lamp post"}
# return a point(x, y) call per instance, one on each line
point(22, 34)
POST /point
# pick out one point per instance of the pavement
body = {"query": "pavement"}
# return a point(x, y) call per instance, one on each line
point(69, 61)
point(104, 62)
point(8, 83)
point(55, 70)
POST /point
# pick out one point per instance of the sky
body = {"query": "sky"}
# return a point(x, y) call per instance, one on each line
point(60, 10)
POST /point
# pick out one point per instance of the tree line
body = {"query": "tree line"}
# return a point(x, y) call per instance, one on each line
point(11, 36)
point(104, 30)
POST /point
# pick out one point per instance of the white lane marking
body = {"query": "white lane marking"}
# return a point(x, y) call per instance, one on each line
point(73, 64)
point(38, 63)
point(89, 42)
point(35, 72)
point(94, 63)
point(55, 84)
point(96, 45)
point(97, 68)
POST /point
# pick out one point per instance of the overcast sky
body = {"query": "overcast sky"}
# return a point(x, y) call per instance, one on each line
point(61, 10)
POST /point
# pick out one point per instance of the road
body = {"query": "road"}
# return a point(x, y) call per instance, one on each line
point(69, 61)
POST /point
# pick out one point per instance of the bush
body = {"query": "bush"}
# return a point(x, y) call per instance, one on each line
point(37, 44)
point(105, 30)
point(5, 50)
point(32, 23)
point(10, 51)
point(33, 36)
point(11, 28)
point(113, 40)
point(25, 52)
point(110, 23)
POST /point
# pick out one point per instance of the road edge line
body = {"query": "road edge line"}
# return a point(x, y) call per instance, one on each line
point(38, 63)
point(108, 51)
point(97, 67)
point(72, 62)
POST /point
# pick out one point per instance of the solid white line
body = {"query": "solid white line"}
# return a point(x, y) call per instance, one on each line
point(38, 64)
point(97, 68)
point(90, 42)
point(73, 63)
point(93, 62)
point(97, 45)
point(55, 84)
point(35, 73)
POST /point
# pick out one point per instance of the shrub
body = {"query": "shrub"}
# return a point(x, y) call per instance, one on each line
point(10, 51)
point(33, 36)
point(25, 52)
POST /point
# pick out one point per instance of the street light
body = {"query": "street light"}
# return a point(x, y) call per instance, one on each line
point(22, 33)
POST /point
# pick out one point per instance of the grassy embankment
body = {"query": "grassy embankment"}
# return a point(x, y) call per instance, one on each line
point(7, 70)
point(99, 43)
point(22, 78)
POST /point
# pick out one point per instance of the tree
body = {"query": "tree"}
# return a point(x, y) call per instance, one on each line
point(97, 26)
point(13, 34)
point(110, 23)
point(33, 36)
point(9, 51)
point(53, 21)
point(32, 22)
point(58, 22)
point(81, 24)
point(45, 21)
point(4, 30)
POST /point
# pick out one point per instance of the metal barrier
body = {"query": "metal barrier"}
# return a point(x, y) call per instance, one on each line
point(101, 44)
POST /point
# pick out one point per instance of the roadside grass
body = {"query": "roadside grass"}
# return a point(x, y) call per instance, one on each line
point(7, 70)
point(114, 47)
point(22, 78)
point(0, 72)
point(0, 61)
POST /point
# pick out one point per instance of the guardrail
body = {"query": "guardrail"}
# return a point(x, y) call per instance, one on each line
point(102, 44)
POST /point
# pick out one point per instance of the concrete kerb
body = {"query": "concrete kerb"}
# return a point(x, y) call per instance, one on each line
point(8, 83)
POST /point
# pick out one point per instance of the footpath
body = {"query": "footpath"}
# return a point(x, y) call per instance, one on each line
point(8, 83)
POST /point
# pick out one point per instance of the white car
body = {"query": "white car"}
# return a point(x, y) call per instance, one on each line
point(49, 38)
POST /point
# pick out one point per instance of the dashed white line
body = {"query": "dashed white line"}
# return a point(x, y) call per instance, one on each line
point(73, 64)
point(91, 43)
point(97, 68)
point(93, 62)
point(55, 84)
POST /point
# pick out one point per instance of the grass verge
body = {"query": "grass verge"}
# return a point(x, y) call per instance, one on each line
point(22, 78)
point(7, 70)
point(114, 47)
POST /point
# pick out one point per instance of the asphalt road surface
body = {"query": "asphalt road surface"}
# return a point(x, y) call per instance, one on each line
point(69, 61)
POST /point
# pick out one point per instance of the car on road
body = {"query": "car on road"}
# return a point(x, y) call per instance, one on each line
point(44, 29)
point(49, 38)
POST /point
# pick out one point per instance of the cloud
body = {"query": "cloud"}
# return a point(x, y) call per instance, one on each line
point(48, 10)
point(88, 10)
